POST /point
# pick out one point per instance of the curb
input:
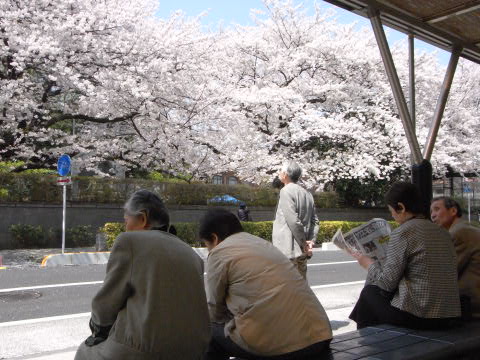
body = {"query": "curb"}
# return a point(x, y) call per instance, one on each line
point(81, 258)
point(101, 257)
point(92, 258)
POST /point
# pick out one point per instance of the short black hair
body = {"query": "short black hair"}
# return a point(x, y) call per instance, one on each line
point(406, 193)
point(220, 222)
point(449, 203)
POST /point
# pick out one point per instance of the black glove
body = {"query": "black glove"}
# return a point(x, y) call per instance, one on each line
point(99, 334)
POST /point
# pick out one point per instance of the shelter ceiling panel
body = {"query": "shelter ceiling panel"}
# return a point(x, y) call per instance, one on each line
point(467, 26)
point(443, 23)
point(427, 9)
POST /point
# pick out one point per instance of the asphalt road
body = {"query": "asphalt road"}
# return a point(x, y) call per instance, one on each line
point(47, 309)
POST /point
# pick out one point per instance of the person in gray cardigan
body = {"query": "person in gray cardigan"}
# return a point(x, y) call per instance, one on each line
point(296, 224)
point(152, 304)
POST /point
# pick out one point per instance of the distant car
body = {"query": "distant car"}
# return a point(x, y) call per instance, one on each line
point(224, 199)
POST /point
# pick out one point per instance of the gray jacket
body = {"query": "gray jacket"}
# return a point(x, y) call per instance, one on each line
point(295, 221)
point(154, 297)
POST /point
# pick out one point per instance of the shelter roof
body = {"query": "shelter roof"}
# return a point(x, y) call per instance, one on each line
point(443, 23)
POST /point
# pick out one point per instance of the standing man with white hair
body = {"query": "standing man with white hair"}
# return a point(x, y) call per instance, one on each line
point(296, 225)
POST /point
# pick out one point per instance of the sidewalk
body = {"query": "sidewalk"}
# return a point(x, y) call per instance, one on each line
point(32, 257)
point(338, 319)
point(66, 354)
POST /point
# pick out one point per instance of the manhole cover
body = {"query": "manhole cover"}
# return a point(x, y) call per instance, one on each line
point(19, 296)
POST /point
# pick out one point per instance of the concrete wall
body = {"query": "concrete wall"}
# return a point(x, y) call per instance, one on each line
point(50, 216)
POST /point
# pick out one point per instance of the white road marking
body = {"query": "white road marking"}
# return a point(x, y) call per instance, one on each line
point(45, 319)
point(333, 263)
point(79, 315)
point(50, 286)
point(337, 284)
point(101, 281)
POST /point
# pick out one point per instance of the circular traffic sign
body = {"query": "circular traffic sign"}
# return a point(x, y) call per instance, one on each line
point(63, 165)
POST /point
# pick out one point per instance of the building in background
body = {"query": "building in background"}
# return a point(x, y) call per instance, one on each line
point(227, 178)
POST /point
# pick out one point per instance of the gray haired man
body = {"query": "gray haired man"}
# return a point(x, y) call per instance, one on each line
point(296, 225)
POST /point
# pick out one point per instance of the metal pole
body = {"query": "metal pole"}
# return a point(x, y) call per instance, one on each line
point(64, 215)
point(411, 78)
point(468, 207)
point(374, 16)
point(442, 101)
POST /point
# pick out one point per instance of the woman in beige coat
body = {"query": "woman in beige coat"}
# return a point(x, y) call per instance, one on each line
point(152, 304)
point(260, 305)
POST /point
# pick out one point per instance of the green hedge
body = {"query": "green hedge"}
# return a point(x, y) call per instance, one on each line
point(42, 188)
point(188, 231)
point(30, 236)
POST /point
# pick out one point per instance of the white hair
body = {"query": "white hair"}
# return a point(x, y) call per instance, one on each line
point(146, 202)
point(292, 169)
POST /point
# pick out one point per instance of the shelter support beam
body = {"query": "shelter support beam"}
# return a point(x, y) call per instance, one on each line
point(441, 102)
point(411, 83)
point(411, 78)
point(392, 75)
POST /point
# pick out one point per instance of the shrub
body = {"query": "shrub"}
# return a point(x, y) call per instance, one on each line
point(40, 171)
point(80, 236)
point(7, 166)
point(24, 187)
point(261, 229)
point(112, 230)
point(77, 236)
point(161, 177)
point(188, 232)
point(185, 231)
point(328, 199)
point(28, 236)
point(3, 194)
point(328, 229)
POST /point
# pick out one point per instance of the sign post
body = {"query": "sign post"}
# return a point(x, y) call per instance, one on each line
point(468, 190)
point(63, 167)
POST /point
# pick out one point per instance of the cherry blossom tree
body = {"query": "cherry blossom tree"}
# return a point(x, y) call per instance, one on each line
point(111, 81)
point(304, 87)
point(131, 82)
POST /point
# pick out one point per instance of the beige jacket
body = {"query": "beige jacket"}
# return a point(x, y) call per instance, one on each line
point(295, 221)
point(154, 296)
point(466, 240)
point(267, 306)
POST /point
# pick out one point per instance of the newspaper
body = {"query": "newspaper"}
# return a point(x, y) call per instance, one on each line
point(370, 239)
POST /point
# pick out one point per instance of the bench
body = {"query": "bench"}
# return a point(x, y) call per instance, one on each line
point(392, 343)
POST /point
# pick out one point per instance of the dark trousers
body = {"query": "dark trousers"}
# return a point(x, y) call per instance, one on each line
point(374, 308)
point(222, 347)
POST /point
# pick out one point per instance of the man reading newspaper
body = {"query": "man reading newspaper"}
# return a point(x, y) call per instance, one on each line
point(369, 239)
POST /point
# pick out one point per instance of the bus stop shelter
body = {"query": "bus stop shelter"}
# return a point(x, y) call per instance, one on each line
point(452, 25)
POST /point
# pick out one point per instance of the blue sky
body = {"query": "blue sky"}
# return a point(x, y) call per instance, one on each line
point(238, 11)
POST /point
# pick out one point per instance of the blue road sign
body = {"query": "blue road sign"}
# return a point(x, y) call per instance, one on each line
point(63, 165)
point(467, 189)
